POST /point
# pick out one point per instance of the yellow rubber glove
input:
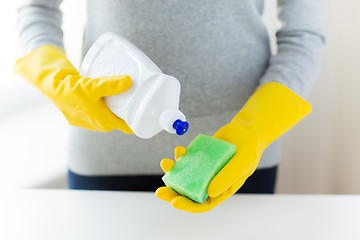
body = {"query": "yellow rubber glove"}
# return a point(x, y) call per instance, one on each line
point(270, 112)
point(80, 99)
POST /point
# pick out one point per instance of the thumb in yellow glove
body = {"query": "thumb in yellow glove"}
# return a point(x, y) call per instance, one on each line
point(79, 98)
point(270, 112)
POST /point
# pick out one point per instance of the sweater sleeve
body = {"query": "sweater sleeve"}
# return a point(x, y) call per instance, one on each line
point(300, 42)
point(39, 23)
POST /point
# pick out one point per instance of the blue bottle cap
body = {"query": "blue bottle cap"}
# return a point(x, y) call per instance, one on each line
point(180, 127)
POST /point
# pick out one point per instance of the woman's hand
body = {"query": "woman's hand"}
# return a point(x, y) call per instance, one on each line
point(270, 112)
point(79, 98)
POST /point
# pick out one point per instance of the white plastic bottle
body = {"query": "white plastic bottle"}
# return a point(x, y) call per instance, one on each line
point(152, 102)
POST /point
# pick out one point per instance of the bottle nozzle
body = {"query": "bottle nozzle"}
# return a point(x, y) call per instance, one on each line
point(173, 121)
point(180, 127)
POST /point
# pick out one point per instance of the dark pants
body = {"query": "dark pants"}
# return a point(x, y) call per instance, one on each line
point(262, 181)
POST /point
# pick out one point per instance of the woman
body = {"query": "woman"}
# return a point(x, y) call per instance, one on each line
point(220, 53)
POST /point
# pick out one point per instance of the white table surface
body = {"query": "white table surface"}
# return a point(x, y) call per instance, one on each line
point(66, 214)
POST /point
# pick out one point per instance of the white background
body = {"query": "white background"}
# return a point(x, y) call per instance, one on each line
point(320, 155)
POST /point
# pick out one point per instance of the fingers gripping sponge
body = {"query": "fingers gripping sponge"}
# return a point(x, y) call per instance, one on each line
point(204, 158)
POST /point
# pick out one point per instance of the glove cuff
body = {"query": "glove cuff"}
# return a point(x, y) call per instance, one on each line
point(273, 109)
point(44, 65)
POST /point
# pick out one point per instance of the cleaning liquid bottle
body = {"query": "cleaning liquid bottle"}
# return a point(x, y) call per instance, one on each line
point(152, 102)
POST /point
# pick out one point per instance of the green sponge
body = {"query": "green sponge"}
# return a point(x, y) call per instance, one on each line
point(204, 158)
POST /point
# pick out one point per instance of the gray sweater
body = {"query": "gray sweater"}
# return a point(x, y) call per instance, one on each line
point(218, 50)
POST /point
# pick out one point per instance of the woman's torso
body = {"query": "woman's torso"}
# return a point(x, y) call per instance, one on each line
point(218, 50)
